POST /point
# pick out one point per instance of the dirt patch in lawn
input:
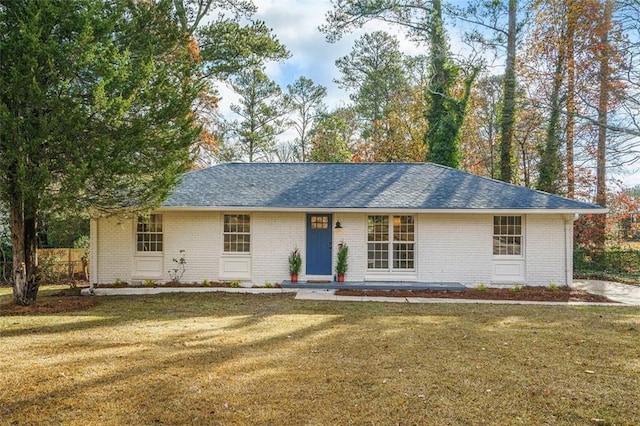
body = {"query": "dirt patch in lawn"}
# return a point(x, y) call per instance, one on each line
point(66, 300)
point(526, 293)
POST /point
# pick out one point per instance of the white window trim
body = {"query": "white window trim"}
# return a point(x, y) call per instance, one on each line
point(236, 253)
point(135, 239)
point(523, 232)
point(406, 273)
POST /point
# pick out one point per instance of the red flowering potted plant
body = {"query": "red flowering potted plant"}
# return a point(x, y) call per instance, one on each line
point(295, 263)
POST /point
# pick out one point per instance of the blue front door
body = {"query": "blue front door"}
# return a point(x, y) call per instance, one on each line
point(319, 244)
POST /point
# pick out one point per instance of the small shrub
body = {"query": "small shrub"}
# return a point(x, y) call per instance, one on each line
point(482, 287)
point(205, 283)
point(516, 287)
point(553, 287)
point(178, 271)
point(267, 284)
point(50, 268)
point(343, 255)
point(119, 283)
point(234, 284)
point(149, 283)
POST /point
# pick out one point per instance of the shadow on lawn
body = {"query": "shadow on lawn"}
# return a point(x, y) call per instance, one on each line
point(112, 311)
point(187, 355)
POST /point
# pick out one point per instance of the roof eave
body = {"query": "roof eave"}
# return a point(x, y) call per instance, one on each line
point(386, 210)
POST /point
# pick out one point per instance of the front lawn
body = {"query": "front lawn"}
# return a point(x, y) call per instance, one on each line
point(217, 358)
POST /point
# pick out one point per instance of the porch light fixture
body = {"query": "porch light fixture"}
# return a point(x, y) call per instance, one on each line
point(338, 226)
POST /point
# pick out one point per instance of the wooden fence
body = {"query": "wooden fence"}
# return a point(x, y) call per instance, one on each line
point(63, 263)
point(56, 265)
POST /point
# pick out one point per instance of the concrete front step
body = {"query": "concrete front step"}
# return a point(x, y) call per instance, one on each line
point(377, 285)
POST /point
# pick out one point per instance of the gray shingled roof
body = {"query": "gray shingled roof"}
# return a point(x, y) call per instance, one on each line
point(413, 186)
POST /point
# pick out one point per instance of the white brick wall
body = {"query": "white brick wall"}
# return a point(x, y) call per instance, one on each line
point(273, 237)
point(545, 249)
point(454, 248)
point(113, 250)
point(448, 247)
point(354, 235)
point(199, 234)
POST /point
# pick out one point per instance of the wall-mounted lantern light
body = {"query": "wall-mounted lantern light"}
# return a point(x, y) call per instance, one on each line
point(338, 225)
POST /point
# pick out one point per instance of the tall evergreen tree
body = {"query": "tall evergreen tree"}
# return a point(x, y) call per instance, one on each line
point(261, 110)
point(95, 102)
point(374, 72)
point(330, 138)
point(306, 101)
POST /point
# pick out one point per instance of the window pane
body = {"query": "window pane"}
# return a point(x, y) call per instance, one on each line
point(403, 228)
point(403, 256)
point(378, 256)
point(378, 228)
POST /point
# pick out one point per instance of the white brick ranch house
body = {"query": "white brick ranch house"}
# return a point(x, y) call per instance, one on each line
point(402, 222)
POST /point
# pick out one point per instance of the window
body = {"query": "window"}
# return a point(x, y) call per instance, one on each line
point(507, 235)
point(237, 233)
point(319, 222)
point(391, 242)
point(149, 233)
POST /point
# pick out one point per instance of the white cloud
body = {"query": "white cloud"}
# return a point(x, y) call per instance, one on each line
point(296, 23)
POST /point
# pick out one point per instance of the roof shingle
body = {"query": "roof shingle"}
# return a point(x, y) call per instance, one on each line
point(414, 186)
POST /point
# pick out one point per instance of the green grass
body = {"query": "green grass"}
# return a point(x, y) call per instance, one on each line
point(265, 359)
point(618, 276)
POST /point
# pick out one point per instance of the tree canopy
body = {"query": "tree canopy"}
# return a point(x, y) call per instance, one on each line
point(95, 105)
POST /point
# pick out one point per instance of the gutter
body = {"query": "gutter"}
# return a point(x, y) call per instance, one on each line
point(568, 248)
point(382, 210)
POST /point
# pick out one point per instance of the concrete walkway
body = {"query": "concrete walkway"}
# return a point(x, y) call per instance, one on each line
point(623, 293)
point(376, 285)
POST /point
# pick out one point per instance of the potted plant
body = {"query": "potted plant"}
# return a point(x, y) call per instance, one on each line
point(341, 265)
point(295, 262)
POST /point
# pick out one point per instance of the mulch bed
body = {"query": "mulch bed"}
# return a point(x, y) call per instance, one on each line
point(526, 293)
point(68, 300)
point(50, 305)
point(173, 284)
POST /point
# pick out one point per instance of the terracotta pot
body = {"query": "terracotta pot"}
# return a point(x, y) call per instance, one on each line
point(294, 278)
point(340, 278)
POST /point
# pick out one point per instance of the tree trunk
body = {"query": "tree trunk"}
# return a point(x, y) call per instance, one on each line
point(436, 89)
point(23, 241)
point(603, 105)
point(550, 165)
point(571, 101)
point(525, 166)
point(509, 99)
